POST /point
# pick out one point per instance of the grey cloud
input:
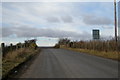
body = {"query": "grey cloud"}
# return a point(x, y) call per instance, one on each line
point(96, 20)
point(6, 32)
point(67, 19)
point(0, 32)
point(107, 27)
point(53, 19)
point(38, 32)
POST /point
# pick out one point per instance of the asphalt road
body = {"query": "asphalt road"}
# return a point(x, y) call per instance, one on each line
point(61, 63)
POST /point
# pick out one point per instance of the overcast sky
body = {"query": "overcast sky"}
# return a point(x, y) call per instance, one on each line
point(49, 21)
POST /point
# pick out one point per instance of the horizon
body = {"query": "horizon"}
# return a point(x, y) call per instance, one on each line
point(49, 21)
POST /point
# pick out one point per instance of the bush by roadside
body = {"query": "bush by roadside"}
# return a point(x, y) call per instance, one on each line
point(57, 46)
point(103, 48)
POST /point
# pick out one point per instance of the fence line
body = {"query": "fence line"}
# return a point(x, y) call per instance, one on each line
point(11, 47)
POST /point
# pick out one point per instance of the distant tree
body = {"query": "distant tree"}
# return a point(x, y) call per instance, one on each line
point(64, 41)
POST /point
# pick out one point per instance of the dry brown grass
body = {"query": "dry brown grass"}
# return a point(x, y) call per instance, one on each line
point(14, 58)
point(110, 54)
point(17, 54)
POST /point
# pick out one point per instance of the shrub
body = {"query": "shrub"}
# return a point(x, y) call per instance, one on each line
point(57, 46)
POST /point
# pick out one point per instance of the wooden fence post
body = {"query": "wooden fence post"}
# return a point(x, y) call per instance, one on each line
point(11, 47)
point(3, 48)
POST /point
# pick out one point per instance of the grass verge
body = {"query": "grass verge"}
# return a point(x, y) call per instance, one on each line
point(110, 55)
point(15, 58)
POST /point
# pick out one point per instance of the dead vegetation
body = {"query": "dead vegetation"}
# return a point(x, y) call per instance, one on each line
point(103, 48)
point(15, 57)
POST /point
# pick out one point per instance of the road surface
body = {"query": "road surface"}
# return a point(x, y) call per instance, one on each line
point(61, 63)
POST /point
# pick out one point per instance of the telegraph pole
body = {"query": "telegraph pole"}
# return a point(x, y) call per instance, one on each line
point(115, 17)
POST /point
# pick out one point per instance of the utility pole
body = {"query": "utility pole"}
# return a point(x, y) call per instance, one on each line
point(115, 17)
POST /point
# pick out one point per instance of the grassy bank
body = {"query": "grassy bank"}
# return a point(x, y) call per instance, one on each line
point(109, 54)
point(14, 58)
